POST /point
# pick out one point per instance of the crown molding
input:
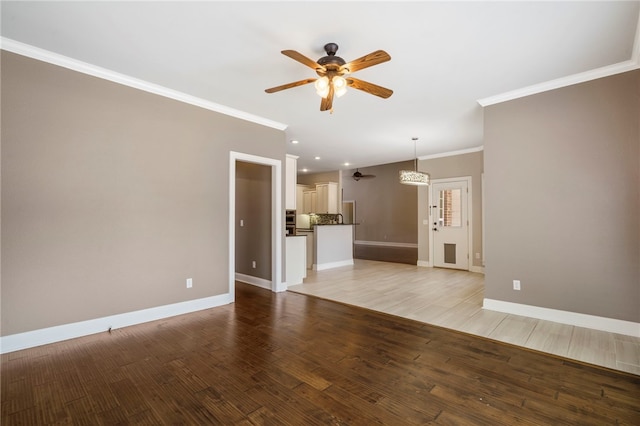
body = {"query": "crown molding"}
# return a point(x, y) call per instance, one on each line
point(558, 83)
point(105, 74)
point(609, 70)
point(452, 153)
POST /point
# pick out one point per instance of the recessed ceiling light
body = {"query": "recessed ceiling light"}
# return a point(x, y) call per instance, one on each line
point(305, 170)
point(347, 164)
point(317, 158)
point(294, 141)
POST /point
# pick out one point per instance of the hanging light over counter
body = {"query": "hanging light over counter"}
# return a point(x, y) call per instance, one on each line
point(414, 177)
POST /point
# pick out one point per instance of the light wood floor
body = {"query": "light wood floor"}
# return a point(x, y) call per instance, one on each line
point(453, 299)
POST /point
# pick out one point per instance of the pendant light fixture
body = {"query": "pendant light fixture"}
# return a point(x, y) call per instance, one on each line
point(414, 177)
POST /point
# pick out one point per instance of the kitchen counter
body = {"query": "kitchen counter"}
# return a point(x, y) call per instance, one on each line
point(325, 224)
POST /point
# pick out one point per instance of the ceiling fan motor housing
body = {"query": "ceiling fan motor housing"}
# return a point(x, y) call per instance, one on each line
point(331, 59)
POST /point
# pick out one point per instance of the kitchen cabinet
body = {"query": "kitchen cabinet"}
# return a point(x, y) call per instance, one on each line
point(290, 172)
point(309, 201)
point(326, 198)
point(300, 197)
point(321, 198)
point(296, 261)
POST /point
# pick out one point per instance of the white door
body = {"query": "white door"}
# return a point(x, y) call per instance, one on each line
point(449, 224)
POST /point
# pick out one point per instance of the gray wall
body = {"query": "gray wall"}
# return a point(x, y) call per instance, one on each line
point(386, 210)
point(470, 164)
point(111, 197)
point(253, 207)
point(563, 198)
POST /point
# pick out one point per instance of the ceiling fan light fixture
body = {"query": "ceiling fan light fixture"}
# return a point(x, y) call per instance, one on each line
point(414, 177)
point(339, 85)
point(322, 86)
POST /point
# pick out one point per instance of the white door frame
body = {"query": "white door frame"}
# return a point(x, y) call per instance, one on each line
point(276, 219)
point(469, 217)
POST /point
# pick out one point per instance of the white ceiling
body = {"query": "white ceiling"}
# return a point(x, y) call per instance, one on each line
point(446, 56)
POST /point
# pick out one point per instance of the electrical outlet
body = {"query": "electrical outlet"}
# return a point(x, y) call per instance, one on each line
point(516, 284)
point(189, 282)
point(253, 264)
point(477, 255)
point(241, 222)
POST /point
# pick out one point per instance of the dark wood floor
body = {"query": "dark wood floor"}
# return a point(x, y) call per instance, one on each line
point(293, 359)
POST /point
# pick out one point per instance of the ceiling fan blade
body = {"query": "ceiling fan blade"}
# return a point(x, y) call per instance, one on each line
point(357, 175)
point(327, 103)
point(290, 85)
point(297, 56)
point(374, 58)
point(371, 88)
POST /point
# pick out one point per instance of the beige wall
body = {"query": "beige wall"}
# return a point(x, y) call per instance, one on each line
point(111, 197)
point(313, 178)
point(470, 164)
point(386, 210)
point(253, 207)
point(563, 198)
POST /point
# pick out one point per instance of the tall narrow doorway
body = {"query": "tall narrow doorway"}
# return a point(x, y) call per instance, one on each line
point(276, 218)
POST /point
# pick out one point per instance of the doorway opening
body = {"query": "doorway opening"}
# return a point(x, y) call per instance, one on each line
point(276, 235)
point(349, 212)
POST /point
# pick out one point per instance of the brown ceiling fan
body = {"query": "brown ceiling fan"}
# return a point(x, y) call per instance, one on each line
point(357, 175)
point(333, 70)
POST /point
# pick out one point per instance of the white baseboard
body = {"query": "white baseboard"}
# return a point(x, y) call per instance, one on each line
point(427, 264)
point(610, 325)
point(329, 265)
point(478, 269)
point(282, 287)
point(250, 279)
point(44, 336)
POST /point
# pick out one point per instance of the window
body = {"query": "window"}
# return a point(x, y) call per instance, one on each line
point(450, 213)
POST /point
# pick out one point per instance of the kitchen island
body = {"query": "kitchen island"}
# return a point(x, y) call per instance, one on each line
point(333, 246)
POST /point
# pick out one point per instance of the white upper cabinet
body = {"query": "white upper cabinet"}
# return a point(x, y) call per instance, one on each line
point(300, 189)
point(322, 198)
point(327, 198)
point(291, 171)
point(309, 201)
